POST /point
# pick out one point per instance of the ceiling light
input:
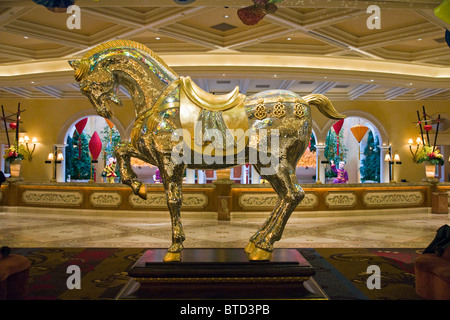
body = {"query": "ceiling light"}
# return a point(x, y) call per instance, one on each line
point(289, 39)
point(420, 39)
point(158, 38)
point(226, 16)
point(25, 37)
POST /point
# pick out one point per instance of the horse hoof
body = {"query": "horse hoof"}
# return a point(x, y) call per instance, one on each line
point(142, 192)
point(249, 248)
point(260, 255)
point(172, 257)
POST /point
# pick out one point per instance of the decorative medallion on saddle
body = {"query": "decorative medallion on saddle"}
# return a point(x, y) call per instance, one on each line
point(260, 110)
point(278, 108)
point(299, 108)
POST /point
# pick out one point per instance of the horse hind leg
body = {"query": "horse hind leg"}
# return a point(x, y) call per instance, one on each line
point(290, 193)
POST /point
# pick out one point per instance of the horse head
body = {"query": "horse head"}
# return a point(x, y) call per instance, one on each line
point(98, 85)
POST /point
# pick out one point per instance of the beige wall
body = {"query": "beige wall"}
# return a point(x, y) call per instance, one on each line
point(45, 119)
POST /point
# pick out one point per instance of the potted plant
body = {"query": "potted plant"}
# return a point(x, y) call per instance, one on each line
point(14, 156)
point(431, 158)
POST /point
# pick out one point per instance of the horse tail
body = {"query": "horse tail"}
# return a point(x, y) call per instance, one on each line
point(324, 105)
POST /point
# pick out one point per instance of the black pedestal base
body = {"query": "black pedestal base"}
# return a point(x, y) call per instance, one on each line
point(221, 274)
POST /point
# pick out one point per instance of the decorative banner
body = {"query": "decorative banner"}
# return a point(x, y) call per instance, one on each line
point(337, 128)
point(95, 146)
point(80, 125)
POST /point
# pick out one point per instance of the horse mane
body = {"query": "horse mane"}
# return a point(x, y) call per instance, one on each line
point(128, 44)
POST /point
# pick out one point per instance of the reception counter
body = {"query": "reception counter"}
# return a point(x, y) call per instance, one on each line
point(224, 197)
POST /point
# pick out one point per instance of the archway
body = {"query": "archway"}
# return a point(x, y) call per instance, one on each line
point(77, 159)
point(354, 151)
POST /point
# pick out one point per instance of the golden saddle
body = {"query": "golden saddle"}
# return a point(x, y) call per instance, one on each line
point(194, 100)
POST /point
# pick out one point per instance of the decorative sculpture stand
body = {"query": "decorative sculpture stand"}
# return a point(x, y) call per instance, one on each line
point(180, 126)
point(222, 274)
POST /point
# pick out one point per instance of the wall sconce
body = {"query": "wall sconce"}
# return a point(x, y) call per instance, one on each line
point(418, 143)
point(392, 163)
point(25, 140)
point(54, 157)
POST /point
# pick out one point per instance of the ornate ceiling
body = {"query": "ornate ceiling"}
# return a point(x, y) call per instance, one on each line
point(308, 46)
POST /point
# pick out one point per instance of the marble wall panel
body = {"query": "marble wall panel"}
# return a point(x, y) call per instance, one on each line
point(158, 200)
point(53, 197)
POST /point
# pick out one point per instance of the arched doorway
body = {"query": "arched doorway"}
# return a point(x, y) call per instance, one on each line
point(369, 151)
point(77, 157)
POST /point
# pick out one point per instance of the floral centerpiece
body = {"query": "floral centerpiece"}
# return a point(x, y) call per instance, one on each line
point(426, 154)
point(14, 152)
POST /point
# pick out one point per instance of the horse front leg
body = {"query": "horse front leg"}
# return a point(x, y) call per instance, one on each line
point(172, 177)
point(123, 153)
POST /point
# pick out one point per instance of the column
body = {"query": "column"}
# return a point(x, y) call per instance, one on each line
point(201, 177)
point(2, 161)
point(320, 169)
point(256, 178)
point(384, 165)
point(190, 176)
point(61, 167)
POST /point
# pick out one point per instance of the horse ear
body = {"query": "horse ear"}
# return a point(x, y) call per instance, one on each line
point(75, 64)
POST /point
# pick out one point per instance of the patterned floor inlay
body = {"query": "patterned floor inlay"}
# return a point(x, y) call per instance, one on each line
point(59, 229)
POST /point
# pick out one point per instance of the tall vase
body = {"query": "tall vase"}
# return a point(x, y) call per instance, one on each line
point(15, 168)
point(430, 170)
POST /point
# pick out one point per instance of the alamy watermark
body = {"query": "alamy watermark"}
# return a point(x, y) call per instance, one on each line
point(374, 21)
point(374, 280)
point(74, 280)
point(74, 21)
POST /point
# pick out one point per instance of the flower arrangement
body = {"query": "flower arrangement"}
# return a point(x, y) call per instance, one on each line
point(14, 152)
point(426, 154)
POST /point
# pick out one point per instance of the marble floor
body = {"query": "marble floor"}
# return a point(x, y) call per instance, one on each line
point(59, 228)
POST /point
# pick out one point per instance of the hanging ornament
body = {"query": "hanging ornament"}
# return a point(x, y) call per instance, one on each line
point(58, 6)
point(13, 125)
point(251, 15)
point(428, 127)
point(447, 37)
point(183, 1)
point(359, 131)
point(337, 128)
point(443, 11)
point(80, 125)
point(110, 124)
point(95, 146)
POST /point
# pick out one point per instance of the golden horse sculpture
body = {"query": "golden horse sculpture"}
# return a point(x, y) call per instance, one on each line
point(179, 126)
